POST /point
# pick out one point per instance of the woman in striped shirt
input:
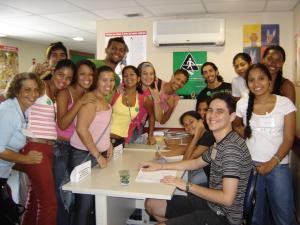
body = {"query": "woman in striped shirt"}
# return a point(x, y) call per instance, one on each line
point(41, 134)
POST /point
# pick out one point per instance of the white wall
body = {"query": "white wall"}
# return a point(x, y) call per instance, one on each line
point(27, 51)
point(222, 56)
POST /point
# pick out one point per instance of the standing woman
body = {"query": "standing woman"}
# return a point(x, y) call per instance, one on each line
point(269, 122)
point(274, 58)
point(91, 140)
point(21, 93)
point(129, 109)
point(241, 63)
point(41, 134)
point(69, 101)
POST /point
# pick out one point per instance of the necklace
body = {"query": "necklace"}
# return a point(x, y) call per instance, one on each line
point(127, 103)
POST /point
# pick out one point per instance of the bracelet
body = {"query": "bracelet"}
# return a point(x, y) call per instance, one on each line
point(188, 186)
point(277, 158)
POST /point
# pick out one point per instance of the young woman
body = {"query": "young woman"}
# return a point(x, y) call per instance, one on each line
point(41, 134)
point(21, 93)
point(241, 63)
point(91, 139)
point(202, 108)
point(129, 109)
point(269, 122)
point(274, 58)
point(69, 102)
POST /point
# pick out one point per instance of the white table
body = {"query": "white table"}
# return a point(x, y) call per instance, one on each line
point(114, 202)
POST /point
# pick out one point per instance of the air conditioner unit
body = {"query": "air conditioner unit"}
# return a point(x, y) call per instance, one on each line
point(186, 32)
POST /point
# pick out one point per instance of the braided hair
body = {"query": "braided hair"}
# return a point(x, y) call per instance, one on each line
point(264, 69)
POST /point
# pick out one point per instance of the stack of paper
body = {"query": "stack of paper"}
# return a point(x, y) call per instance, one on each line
point(153, 176)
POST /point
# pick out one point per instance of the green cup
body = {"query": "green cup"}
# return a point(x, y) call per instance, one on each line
point(124, 177)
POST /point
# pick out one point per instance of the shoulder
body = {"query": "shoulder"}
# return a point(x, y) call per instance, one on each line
point(233, 144)
point(8, 109)
point(285, 104)
point(226, 85)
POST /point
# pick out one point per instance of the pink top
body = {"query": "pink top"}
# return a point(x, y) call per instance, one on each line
point(164, 98)
point(41, 119)
point(68, 132)
point(96, 129)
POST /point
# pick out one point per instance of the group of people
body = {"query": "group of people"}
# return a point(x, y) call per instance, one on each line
point(63, 114)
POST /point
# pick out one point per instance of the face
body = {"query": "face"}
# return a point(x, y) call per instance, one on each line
point(210, 74)
point(274, 61)
point(147, 76)
point(218, 117)
point(85, 76)
point(130, 78)
point(106, 82)
point(116, 52)
point(202, 109)
point(178, 81)
point(241, 67)
point(56, 55)
point(62, 77)
point(28, 94)
point(190, 124)
point(258, 82)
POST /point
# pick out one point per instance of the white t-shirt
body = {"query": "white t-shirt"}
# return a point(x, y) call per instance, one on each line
point(239, 87)
point(267, 130)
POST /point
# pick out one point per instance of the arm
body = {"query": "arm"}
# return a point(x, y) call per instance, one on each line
point(166, 115)
point(32, 157)
point(238, 126)
point(288, 90)
point(284, 148)
point(65, 116)
point(85, 117)
point(149, 107)
point(198, 151)
point(156, 100)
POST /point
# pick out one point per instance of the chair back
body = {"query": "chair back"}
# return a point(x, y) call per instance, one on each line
point(250, 197)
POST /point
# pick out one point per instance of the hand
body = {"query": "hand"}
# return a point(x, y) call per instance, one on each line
point(42, 68)
point(151, 140)
point(171, 180)
point(199, 129)
point(87, 98)
point(266, 167)
point(110, 152)
point(102, 161)
point(155, 94)
point(33, 157)
point(150, 166)
point(171, 101)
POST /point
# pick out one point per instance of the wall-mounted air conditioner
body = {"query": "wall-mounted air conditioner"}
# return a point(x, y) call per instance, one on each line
point(204, 31)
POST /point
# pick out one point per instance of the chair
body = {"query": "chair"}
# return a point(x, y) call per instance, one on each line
point(250, 197)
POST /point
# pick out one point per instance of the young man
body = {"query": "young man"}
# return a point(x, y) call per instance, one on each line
point(55, 52)
point(214, 83)
point(116, 51)
point(231, 164)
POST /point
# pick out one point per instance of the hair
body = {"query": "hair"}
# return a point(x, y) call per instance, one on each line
point(100, 70)
point(264, 69)
point(136, 71)
point(227, 98)
point(86, 62)
point(184, 72)
point(55, 46)
point(242, 55)
point(279, 78)
point(119, 40)
point(191, 113)
point(15, 84)
point(143, 65)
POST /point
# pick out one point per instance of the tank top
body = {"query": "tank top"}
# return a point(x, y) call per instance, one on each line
point(68, 132)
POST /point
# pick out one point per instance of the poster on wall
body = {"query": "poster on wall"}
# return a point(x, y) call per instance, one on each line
point(9, 64)
point(137, 45)
point(191, 62)
point(257, 37)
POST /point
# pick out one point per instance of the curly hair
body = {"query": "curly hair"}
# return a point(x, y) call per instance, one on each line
point(14, 86)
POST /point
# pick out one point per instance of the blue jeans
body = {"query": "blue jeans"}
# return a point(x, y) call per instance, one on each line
point(60, 168)
point(84, 208)
point(275, 190)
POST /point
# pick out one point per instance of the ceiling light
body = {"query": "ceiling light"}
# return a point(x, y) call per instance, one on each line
point(78, 38)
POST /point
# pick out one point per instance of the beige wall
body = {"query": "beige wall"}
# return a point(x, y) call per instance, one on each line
point(222, 56)
point(27, 51)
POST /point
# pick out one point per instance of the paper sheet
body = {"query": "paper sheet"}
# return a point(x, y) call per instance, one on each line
point(153, 176)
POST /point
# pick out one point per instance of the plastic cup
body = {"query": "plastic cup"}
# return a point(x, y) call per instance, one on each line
point(124, 177)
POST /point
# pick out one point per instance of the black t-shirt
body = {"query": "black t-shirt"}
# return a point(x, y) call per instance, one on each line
point(207, 139)
point(206, 93)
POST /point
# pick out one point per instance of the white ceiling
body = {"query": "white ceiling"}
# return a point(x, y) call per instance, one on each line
point(46, 21)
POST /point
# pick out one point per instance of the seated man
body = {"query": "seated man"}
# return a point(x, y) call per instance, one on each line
point(231, 164)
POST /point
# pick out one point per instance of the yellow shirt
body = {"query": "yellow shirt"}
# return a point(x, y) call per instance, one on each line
point(122, 116)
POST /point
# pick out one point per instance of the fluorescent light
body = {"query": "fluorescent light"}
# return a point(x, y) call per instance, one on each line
point(78, 38)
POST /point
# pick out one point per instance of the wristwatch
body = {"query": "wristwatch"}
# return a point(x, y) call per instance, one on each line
point(188, 186)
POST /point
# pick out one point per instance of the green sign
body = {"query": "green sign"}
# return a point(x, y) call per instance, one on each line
point(191, 62)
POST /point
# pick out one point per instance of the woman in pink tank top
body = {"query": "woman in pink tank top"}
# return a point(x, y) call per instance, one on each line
point(69, 102)
point(91, 139)
point(41, 206)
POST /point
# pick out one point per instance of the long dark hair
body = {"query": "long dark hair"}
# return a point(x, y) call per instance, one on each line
point(279, 78)
point(264, 69)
